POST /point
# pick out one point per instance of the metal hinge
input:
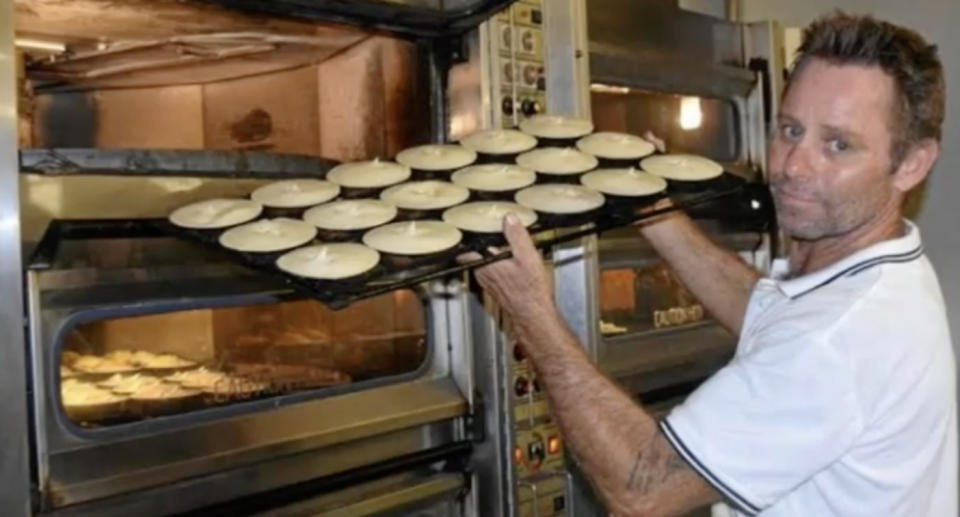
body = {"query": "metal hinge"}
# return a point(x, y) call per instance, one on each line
point(476, 419)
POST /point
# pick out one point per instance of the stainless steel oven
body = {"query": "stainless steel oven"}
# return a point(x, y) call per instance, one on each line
point(413, 403)
point(298, 392)
point(706, 86)
point(266, 402)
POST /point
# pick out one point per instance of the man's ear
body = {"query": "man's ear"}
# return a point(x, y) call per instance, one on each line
point(916, 165)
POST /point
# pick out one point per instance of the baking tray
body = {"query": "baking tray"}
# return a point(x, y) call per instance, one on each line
point(734, 197)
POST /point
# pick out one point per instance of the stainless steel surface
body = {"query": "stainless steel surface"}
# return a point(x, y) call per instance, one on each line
point(568, 65)
point(82, 471)
point(575, 281)
point(226, 484)
point(666, 73)
point(14, 459)
point(473, 86)
point(100, 463)
point(160, 162)
point(765, 41)
point(184, 462)
point(407, 493)
point(492, 463)
point(649, 29)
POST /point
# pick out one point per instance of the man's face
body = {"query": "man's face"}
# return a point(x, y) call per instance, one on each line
point(830, 156)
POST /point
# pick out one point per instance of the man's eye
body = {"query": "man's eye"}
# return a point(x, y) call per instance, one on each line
point(791, 131)
point(838, 146)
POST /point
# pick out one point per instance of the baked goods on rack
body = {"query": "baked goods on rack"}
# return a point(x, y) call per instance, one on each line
point(556, 127)
point(351, 214)
point(333, 261)
point(436, 157)
point(624, 182)
point(425, 195)
point(557, 161)
point(487, 216)
point(413, 237)
point(494, 177)
point(268, 235)
point(298, 193)
point(369, 174)
point(615, 146)
point(682, 167)
point(216, 213)
point(494, 143)
point(560, 199)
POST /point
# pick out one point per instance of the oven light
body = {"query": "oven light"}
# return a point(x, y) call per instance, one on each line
point(609, 88)
point(553, 445)
point(691, 116)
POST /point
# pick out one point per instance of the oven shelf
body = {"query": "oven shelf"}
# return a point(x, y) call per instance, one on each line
point(174, 162)
point(404, 17)
point(388, 277)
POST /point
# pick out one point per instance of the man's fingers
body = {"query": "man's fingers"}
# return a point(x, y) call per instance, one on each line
point(655, 140)
point(468, 257)
point(519, 239)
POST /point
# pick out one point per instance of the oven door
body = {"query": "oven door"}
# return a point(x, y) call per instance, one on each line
point(208, 382)
point(653, 334)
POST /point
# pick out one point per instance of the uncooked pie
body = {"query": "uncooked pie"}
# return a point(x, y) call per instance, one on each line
point(487, 216)
point(437, 157)
point(560, 199)
point(296, 193)
point(557, 161)
point(333, 261)
point(413, 237)
point(268, 235)
point(682, 167)
point(216, 213)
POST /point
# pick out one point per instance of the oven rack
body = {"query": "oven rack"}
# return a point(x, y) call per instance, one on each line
point(173, 163)
point(388, 277)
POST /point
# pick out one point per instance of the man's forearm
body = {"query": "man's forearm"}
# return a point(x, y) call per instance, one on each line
point(618, 444)
point(715, 276)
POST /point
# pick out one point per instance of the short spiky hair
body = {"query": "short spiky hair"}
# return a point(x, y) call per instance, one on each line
point(840, 38)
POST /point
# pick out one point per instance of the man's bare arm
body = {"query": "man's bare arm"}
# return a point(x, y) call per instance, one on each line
point(619, 445)
point(717, 277)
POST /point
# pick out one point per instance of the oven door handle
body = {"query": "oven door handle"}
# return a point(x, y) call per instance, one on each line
point(375, 498)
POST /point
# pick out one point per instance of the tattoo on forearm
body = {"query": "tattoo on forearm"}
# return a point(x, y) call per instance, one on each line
point(656, 463)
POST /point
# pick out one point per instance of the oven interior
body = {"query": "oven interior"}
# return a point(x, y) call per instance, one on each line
point(131, 368)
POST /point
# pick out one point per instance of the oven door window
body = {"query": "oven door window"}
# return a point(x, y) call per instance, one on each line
point(645, 298)
point(128, 369)
point(698, 125)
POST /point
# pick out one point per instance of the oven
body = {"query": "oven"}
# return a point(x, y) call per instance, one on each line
point(258, 400)
point(709, 87)
point(706, 86)
point(410, 403)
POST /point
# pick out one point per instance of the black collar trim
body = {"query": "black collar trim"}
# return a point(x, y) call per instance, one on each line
point(865, 265)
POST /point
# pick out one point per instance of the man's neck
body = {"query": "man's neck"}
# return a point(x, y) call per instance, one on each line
point(810, 256)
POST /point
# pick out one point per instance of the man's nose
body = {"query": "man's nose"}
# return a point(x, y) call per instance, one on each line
point(797, 160)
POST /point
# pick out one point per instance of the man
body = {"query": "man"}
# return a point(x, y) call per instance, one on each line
point(840, 400)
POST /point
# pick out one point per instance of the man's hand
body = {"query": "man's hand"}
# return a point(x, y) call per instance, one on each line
point(520, 284)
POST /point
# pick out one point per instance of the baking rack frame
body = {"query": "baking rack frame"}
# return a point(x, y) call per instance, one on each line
point(384, 278)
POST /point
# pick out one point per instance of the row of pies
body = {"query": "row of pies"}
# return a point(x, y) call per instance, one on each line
point(371, 219)
point(118, 362)
point(87, 400)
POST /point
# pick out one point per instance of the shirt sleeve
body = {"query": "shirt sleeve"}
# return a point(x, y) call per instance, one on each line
point(769, 420)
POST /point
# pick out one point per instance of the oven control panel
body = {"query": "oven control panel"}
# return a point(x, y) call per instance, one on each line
point(540, 476)
point(519, 58)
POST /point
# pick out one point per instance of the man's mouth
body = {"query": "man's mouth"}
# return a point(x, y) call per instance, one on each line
point(792, 197)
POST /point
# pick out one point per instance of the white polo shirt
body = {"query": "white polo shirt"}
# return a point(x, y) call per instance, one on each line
point(840, 400)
